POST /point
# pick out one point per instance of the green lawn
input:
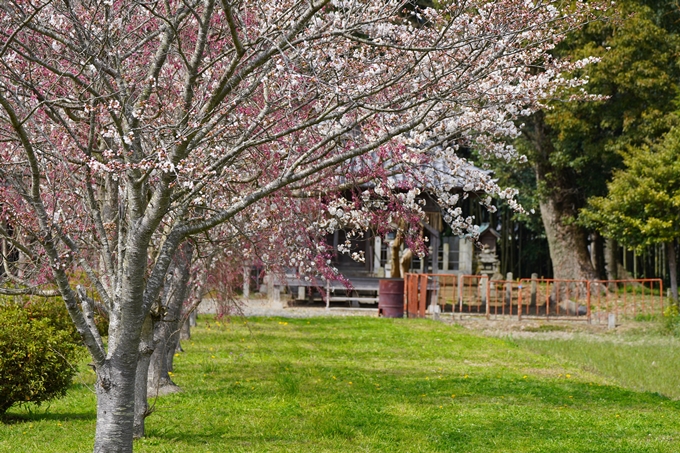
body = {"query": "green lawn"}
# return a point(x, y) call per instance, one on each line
point(647, 362)
point(368, 385)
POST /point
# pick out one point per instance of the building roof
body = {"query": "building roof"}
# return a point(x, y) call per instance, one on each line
point(486, 228)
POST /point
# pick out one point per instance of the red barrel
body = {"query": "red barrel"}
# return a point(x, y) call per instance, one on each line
point(391, 298)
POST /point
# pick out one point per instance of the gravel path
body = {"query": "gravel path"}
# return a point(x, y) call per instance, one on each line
point(263, 307)
point(500, 327)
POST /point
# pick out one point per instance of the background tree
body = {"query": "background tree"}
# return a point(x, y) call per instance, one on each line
point(127, 127)
point(574, 146)
point(642, 206)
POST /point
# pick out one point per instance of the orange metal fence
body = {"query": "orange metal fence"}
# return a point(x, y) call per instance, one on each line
point(627, 299)
point(550, 298)
point(451, 293)
point(554, 298)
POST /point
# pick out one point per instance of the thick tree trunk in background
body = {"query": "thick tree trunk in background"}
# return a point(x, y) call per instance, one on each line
point(559, 206)
point(672, 259)
point(612, 260)
point(173, 348)
point(159, 381)
point(189, 322)
point(568, 244)
point(597, 255)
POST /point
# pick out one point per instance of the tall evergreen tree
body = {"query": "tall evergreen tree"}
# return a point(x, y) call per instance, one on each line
point(575, 146)
point(642, 207)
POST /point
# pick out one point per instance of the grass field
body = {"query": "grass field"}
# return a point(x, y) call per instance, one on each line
point(374, 385)
point(647, 363)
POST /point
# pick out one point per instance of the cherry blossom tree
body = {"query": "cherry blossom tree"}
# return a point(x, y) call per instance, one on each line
point(130, 127)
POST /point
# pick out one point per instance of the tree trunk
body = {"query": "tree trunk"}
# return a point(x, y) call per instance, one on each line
point(159, 382)
point(568, 244)
point(173, 348)
point(115, 390)
point(597, 255)
point(141, 399)
point(185, 330)
point(612, 261)
point(559, 206)
point(395, 270)
point(166, 330)
point(672, 268)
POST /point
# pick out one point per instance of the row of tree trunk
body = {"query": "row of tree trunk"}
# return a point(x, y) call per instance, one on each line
point(161, 338)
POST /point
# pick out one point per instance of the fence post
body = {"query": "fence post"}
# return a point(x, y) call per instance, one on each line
point(328, 294)
point(484, 290)
point(423, 296)
point(588, 301)
point(611, 321)
point(534, 288)
point(246, 282)
point(508, 291)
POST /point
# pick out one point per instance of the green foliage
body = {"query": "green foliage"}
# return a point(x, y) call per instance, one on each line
point(638, 72)
point(642, 207)
point(637, 289)
point(575, 146)
point(671, 316)
point(53, 310)
point(36, 358)
point(646, 317)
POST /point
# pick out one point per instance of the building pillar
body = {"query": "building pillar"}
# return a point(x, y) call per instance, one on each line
point(465, 256)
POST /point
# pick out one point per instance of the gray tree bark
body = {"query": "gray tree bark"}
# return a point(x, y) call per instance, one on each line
point(559, 204)
point(167, 329)
point(185, 330)
point(115, 404)
point(146, 349)
point(568, 243)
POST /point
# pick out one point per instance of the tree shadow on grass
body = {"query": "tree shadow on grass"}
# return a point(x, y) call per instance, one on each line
point(351, 407)
point(40, 414)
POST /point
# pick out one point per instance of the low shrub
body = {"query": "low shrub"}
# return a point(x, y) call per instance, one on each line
point(671, 315)
point(36, 357)
point(55, 310)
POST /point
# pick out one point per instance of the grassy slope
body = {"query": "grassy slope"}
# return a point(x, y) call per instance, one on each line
point(647, 362)
point(368, 385)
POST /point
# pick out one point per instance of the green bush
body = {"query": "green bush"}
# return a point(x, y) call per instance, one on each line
point(671, 316)
point(36, 358)
point(55, 310)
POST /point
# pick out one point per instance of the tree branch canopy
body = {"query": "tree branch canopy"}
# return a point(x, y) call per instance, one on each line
point(128, 126)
